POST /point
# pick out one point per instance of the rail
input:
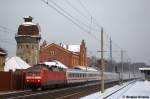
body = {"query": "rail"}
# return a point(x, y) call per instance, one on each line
point(119, 89)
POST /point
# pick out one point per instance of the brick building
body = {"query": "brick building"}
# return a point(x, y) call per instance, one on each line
point(70, 55)
point(28, 38)
point(3, 55)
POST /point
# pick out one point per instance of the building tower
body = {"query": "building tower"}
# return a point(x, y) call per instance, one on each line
point(83, 60)
point(28, 38)
point(3, 55)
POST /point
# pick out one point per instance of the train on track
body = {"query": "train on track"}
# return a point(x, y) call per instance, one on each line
point(43, 76)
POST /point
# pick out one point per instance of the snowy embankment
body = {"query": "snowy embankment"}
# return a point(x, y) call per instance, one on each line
point(128, 90)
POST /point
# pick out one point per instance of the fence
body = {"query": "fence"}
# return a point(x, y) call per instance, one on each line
point(12, 80)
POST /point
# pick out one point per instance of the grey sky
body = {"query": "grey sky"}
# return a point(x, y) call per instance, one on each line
point(126, 21)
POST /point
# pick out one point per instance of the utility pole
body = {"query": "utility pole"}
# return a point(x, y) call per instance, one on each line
point(121, 65)
point(102, 62)
point(129, 68)
point(113, 67)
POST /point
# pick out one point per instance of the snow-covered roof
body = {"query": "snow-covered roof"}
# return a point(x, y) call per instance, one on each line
point(55, 63)
point(72, 48)
point(85, 68)
point(28, 23)
point(29, 35)
point(14, 63)
point(144, 68)
point(2, 53)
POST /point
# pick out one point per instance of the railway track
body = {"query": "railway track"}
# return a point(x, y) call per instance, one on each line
point(14, 94)
point(73, 92)
point(121, 91)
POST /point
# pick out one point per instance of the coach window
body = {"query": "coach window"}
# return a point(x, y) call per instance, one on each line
point(69, 75)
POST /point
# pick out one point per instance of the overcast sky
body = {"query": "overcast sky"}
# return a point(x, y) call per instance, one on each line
point(125, 21)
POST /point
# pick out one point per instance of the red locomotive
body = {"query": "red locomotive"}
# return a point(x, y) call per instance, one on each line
point(42, 76)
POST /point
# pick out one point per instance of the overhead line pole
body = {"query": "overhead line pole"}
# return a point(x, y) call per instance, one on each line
point(102, 62)
point(121, 66)
point(111, 64)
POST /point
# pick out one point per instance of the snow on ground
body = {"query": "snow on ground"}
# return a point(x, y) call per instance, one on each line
point(140, 90)
point(136, 90)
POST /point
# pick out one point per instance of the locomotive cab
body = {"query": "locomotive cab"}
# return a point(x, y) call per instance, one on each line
point(34, 76)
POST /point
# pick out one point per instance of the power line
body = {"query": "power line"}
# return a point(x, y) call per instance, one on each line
point(5, 28)
point(89, 14)
point(84, 8)
point(67, 17)
point(82, 14)
point(68, 13)
point(89, 19)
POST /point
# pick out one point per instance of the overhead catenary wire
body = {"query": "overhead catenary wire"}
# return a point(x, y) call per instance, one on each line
point(5, 30)
point(67, 16)
point(88, 18)
point(67, 13)
point(89, 14)
point(82, 14)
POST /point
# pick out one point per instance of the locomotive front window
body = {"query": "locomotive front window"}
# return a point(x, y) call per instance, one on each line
point(34, 72)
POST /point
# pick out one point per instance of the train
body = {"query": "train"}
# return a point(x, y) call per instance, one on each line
point(43, 76)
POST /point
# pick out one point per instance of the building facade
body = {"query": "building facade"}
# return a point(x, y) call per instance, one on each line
point(28, 38)
point(70, 55)
point(3, 55)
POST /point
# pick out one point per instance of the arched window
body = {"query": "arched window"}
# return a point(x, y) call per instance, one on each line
point(27, 60)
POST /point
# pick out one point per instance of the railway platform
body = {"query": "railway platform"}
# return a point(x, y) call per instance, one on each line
point(128, 90)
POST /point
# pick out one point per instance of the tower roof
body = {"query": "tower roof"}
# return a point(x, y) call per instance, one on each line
point(2, 51)
point(28, 27)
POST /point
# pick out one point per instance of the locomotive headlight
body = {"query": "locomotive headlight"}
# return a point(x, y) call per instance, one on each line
point(38, 80)
point(27, 80)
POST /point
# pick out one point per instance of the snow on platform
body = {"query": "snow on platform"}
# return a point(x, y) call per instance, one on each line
point(129, 90)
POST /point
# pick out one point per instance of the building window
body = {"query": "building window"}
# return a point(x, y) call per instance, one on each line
point(32, 47)
point(27, 46)
point(27, 60)
point(52, 52)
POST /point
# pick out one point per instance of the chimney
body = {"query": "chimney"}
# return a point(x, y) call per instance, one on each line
point(60, 44)
point(83, 43)
point(28, 19)
point(67, 46)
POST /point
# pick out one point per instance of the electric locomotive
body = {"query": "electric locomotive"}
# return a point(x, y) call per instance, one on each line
point(41, 76)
